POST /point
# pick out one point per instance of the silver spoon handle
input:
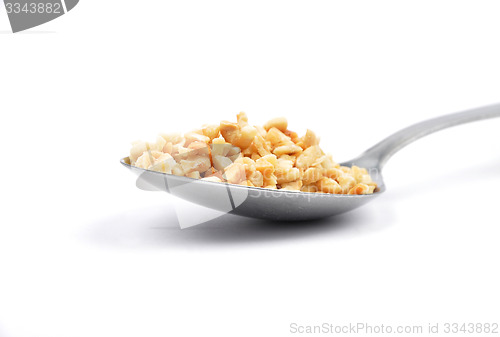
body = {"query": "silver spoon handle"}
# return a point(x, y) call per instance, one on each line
point(379, 154)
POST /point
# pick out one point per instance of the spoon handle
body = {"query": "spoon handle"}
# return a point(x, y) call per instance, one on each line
point(378, 155)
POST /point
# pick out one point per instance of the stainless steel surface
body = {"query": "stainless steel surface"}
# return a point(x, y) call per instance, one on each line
point(296, 206)
point(379, 154)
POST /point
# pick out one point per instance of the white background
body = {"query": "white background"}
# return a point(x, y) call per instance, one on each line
point(85, 253)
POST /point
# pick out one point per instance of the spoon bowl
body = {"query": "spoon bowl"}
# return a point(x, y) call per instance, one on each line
point(255, 202)
point(283, 205)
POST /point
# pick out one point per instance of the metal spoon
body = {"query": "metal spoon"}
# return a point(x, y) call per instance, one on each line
point(290, 205)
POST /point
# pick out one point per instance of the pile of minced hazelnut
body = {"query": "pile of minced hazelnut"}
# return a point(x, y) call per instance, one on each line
point(238, 153)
